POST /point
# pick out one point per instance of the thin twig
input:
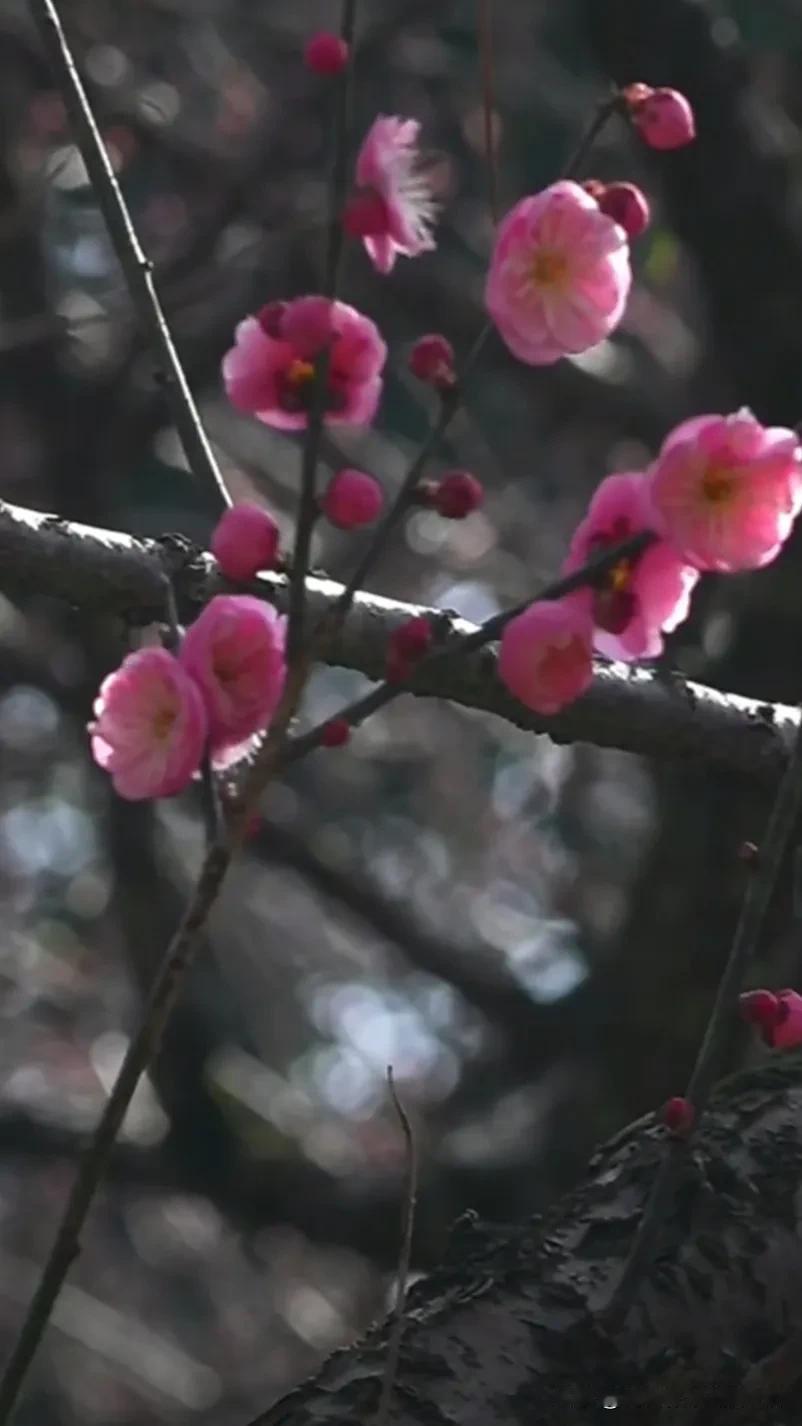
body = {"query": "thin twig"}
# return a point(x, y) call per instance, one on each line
point(137, 267)
point(307, 509)
point(404, 1255)
point(141, 1050)
point(763, 878)
point(576, 159)
point(361, 708)
point(488, 102)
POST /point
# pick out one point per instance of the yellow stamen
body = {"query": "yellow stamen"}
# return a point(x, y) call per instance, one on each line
point(549, 268)
point(718, 484)
point(620, 576)
point(163, 723)
point(299, 372)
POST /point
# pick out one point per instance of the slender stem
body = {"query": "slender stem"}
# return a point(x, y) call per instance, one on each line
point(361, 708)
point(488, 102)
point(141, 1050)
point(576, 159)
point(307, 510)
point(404, 1256)
point(763, 879)
point(137, 268)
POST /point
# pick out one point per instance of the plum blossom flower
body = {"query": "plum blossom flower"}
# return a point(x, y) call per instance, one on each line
point(778, 1016)
point(393, 208)
point(546, 656)
point(235, 653)
point(725, 490)
point(641, 595)
point(270, 370)
point(559, 275)
point(150, 726)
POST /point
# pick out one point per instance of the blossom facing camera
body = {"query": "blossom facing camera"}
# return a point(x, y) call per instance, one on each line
point(235, 653)
point(545, 658)
point(351, 499)
point(559, 275)
point(725, 491)
point(641, 596)
point(270, 371)
point(393, 208)
point(663, 117)
point(245, 540)
point(150, 726)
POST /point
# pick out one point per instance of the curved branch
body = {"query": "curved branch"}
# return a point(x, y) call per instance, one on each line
point(635, 709)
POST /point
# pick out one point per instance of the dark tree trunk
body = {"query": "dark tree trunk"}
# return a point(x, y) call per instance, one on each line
point(503, 1334)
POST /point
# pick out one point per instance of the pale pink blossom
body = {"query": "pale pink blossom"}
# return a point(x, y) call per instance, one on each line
point(393, 208)
point(150, 726)
point(559, 275)
point(545, 658)
point(642, 595)
point(235, 653)
point(725, 491)
point(270, 370)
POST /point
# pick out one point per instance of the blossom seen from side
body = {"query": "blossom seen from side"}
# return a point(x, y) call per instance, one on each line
point(559, 275)
point(546, 658)
point(392, 209)
point(270, 371)
point(641, 596)
point(150, 726)
point(725, 491)
point(235, 653)
point(245, 540)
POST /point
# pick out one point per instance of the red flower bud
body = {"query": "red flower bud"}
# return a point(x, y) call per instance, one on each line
point(457, 495)
point(325, 53)
point(678, 1115)
point(335, 733)
point(626, 205)
point(432, 360)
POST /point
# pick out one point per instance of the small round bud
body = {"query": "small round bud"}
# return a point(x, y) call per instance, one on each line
point(678, 1114)
point(457, 495)
point(760, 1007)
point(749, 853)
point(335, 733)
point(271, 317)
point(325, 53)
point(245, 540)
point(626, 205)
point(351, 499)
point(664, 119)
point(432, 360)
point(410, 641)
point(633, 95)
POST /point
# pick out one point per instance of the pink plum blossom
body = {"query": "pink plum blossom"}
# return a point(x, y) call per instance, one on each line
point(559, 275)
point(270, 370)
point(149, 731)
point(392, 209)
point(640, 596)
point(545, 658)
point(786, 1033)
point(245, 540)
point(725, 491)
point(235, 653)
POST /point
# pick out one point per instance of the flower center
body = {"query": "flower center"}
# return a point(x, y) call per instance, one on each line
point(549, 268)
point(300, 372)
point(615, 602)
point(163, 723)
point(718, 484)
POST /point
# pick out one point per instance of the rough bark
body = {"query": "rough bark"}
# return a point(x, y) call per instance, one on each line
point(504, 1330)
point(637, 710)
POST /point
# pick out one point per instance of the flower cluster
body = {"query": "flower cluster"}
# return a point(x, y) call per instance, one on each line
point(722, 495)
point(159, 713)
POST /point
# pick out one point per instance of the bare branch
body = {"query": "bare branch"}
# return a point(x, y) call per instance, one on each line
point(637, 710)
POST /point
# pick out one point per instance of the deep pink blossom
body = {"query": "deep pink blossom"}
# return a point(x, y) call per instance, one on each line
point(150, 726)
point(545, 658)
point(352, 498)
point(270, 370)
point(640, 596)
point(778, 1016)
point(725, 490)
point(559, 275)
point(235, 653)
point(392, 209)
point(245, 540)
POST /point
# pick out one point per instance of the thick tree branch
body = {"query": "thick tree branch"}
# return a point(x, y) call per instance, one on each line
point(503, 1332)
point(637, 710)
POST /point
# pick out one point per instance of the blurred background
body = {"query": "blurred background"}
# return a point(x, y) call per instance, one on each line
point(529, 934)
